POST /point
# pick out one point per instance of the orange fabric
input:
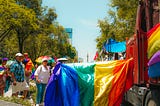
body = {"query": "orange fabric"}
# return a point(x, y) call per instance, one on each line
point(29, 65)
point(122, 73)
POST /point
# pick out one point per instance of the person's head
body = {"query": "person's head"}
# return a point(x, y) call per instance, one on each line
point(4, 61)
point(25, 55)
point(45, 61)
point(19, 57)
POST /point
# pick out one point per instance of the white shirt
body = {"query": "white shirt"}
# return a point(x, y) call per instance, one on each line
point(43, 74)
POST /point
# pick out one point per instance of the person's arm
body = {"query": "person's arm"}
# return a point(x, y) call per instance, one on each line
point(12, 69)
point(36, 74)
point(13, 78)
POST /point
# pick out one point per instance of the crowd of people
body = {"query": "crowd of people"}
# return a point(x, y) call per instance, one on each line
point(18, 74)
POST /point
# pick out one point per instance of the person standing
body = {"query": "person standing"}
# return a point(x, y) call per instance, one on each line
point(7, 76)
point(28, 69)
point(17, 73)
point(3, 75)
point(42, 75)
point(28, 66)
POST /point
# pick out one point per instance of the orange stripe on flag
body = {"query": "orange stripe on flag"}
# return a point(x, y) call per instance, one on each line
point(121, 82)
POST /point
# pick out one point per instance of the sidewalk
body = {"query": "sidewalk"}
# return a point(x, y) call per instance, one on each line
point(5, 103)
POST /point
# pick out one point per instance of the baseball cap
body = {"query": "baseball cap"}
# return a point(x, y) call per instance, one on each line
point(19, 54)
point(44, 59)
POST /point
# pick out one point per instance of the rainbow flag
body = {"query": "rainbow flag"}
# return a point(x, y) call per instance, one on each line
point(88, 84)
point(29, 65)
point(153, 40)
point(1, 71)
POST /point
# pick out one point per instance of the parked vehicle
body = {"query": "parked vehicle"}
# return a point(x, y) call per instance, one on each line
point(145, 91)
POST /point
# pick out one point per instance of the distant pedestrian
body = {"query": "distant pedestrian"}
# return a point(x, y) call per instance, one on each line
point(42, 75)
point(17, 72)
point(121, 56)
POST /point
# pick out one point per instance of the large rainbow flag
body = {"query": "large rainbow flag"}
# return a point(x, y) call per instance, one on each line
point(153, 40)
point(88, 84)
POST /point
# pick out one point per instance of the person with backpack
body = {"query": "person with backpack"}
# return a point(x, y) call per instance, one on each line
point(42, 75)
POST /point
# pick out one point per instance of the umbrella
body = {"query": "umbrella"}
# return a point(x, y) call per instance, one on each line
point(50, 59)
point(154, 59)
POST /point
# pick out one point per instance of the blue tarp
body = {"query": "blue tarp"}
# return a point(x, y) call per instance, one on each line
point(57, 92)
point(154, 70)
point(114, 46)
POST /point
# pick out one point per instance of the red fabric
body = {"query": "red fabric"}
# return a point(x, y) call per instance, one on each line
point(96, 56)
point(149, 33)
point(123, 78)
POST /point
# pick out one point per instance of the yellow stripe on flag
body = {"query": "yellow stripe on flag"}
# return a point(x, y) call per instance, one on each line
point(103, 82)
point(154, 42)
point(110, 82)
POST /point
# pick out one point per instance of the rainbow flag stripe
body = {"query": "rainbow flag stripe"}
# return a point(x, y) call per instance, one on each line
point(153, 40)
point(89, 84)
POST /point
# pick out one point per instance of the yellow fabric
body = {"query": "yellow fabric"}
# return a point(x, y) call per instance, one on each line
point(154, 43)
point(103, 82)
point(2, 72)
point(111, 80)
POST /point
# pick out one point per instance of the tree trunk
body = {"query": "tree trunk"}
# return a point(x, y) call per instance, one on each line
point(20, 42)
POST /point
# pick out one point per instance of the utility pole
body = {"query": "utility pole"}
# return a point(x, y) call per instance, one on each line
point(87, 57)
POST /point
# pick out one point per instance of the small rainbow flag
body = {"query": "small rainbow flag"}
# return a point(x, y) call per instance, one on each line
point(1, 71)
point(89, 84)
point(153, 40)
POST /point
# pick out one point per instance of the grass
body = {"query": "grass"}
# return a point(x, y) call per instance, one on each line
point(17, 100)
point(24, 102)
point(33, 93)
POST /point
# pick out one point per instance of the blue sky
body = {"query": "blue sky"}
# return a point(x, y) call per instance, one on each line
point(82, 16)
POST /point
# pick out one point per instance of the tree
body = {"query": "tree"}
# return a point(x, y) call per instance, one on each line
point(16, 18)
point(120, 23)
point(32, 28)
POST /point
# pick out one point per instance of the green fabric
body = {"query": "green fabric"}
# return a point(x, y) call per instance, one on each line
point(86, 81)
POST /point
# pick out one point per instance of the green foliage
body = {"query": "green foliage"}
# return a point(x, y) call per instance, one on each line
point(26, 26)
point(120, 23)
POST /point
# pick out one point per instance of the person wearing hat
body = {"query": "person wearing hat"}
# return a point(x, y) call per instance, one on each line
point(3, 75)
point(29, 66)
point(17, 72)
point(42, 75)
